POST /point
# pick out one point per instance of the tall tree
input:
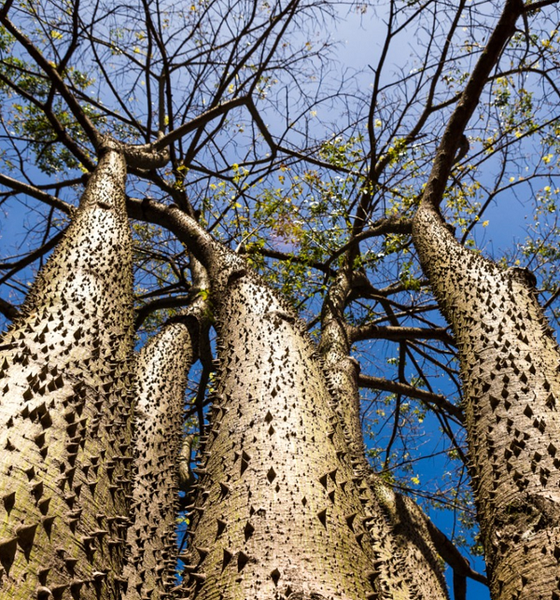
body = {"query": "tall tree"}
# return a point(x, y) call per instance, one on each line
point(509, 368)
point(275, 494)
point(253, 211)
point(65, 408)
point(161, 372)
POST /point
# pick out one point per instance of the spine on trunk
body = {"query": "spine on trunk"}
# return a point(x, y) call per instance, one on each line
point(510, 372)
point(64, 415)
point(406, 561)
point(161, 378)
point(277, 513)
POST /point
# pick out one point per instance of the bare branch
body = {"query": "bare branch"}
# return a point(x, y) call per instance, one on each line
point(55, 77)
point(33, 256)
point(36, 193)
point(159, 304)
point(395, 387)
point(8, 310)
point(398, 333)
point(529, 8)
point(197, 122)
point(451, 139)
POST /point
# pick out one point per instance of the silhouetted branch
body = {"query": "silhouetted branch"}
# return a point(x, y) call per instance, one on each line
point(159, 304)
point(31, 257)
point(397, 333)
point(8, 310)
point(395, 387)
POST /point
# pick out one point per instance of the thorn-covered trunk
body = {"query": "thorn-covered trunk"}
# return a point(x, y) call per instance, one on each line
point(65, 418)
point(161, 378)
point(510, 372)
point(277, 512)
point(407, 563)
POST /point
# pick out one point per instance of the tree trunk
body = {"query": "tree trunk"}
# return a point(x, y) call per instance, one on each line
point(408, 565)
point(161, 378)
point(277, 513)
point(510, 371)
point(65, 427)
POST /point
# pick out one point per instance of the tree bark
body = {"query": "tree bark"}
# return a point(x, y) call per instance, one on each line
point(276, 512)
point(510, 371)
point(408, 565)
point(161, 378)
point(65, 426)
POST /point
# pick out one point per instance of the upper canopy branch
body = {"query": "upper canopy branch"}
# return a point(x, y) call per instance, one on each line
point(398, 387)
point(452, 136)
point(144, 156)
point(538, 5)
point(5, 8)
point(198, 121)
point(8, 310)
point(34, 192)
point(55, 77)
point(380, 227)
point(371, 331)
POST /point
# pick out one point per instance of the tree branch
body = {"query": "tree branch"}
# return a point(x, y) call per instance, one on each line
point(8, 310)
point(160, 303)
point(56, 79)
point(33, 256)
point(5, 8)
point(36, 193)
point(538, 5)
point(394, 333)
point(380, 227)
point(285, 257)
point(199, 121)
point(395, 387)
point(451, 139)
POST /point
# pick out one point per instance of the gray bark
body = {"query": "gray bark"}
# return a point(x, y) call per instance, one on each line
point(277, 512)
point(64, 414)
point(510, 372)
point(408, 565)
point(161, 377)
point(260, 380)
point(159, 466)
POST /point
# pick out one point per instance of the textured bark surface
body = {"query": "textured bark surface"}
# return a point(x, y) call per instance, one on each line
point(510, 371)
point(161, 378)
point(277, 513)
point(64, 415)
point(406, 561)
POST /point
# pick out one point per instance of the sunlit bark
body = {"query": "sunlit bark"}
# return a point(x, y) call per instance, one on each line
point(161, 377)
point(65, 418)
point(407, 563)
point(510, 371)
point(277, 511)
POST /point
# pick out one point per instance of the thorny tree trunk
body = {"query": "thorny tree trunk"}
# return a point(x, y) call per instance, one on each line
point(64, 414)
point(407, 563)
point(161, 377)
point(510, 371)
point(276, 513)
point(269, 373)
